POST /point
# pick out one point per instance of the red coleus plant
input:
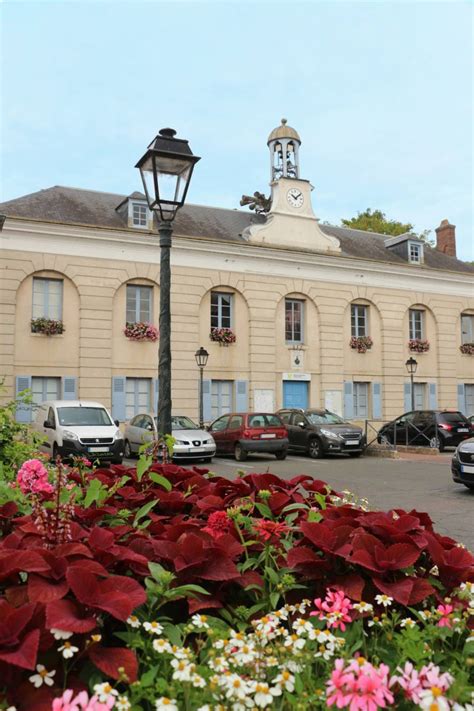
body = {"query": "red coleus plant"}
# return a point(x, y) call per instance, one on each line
point(91, 583)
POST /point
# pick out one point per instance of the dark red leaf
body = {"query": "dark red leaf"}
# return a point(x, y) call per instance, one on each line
point(66, 615)
point(24, 655)
point(110, 659)
point(42, 590)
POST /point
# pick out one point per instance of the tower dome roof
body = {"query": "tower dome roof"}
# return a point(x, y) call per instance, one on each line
point(283, 131)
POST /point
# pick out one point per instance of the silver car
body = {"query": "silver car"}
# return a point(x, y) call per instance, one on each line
point(191, 442)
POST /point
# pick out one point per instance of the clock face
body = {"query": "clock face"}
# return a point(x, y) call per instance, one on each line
point(295, 197)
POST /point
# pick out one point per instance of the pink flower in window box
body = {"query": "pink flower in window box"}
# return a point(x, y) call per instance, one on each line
point(141, 331)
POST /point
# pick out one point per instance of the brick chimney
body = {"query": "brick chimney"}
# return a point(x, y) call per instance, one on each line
point(446, 238)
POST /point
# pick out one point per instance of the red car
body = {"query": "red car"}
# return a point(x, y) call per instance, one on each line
point(240, 433)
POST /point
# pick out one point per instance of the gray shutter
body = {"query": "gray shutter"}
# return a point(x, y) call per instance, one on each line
point(118, 397)
point(348, 400)
point(433, 399)
point(23, 412)
point(206, 400)
point(461, 399)
point(154, 404)
point(241, 395)
point(407, 397)
point(69, 387)
point(377, 401)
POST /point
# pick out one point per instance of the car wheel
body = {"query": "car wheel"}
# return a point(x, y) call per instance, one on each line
point(207, 459)
point(469, 486)
point(435, 442)
point(55, 452)
point(281, 455)
point(239, 453)
point(355, 454)
point(314, 448)
point(116, 460)
point(127, 450)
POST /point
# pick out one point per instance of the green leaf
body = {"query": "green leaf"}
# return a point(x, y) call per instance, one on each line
point(272, 575)
point(299, 686)
point(161, 480)
point(143, 464)
point(294, 507)
point(92, 493)
point(187, 591)
point(314, 516)
point(274, 598)
point(157, 571)
point(143, 510)
point(148, 678)
point(264, 510)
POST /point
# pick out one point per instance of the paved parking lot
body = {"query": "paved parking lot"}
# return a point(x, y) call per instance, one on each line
point(421, 482)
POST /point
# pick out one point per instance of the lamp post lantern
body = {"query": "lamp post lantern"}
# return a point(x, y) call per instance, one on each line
point(411, 366)
point(166, 169)
point(201, 361)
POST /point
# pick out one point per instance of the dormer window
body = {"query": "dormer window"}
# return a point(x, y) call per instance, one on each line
point(139, 214)
point(415, 252)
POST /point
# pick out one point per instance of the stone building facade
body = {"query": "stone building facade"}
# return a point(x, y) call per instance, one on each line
point(298, 296)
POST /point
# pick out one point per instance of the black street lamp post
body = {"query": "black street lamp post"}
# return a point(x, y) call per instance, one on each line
point(411, 366)
point(201, 360)
point(166, 169)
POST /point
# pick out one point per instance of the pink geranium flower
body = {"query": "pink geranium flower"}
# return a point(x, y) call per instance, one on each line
point(415, 683)
point(334, 609)
point(33, 478)
point(359, 686)
point(81, 702)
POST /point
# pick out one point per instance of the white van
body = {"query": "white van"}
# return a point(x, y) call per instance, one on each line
point(79, 428)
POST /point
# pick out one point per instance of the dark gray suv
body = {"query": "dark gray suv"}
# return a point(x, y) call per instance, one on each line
point(318, 432)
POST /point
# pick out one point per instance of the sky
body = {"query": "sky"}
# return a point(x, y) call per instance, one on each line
point(380, 92)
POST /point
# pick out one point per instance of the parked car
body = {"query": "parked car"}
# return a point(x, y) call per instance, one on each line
point(427, 428)
point(191, 442)
point(242, 432)
point(79, 428)
point(318, 432)
point(462, 463)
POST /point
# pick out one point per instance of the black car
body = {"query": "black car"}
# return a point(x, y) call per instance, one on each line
point(427, 428)
point(318, 432)
point(462, 464)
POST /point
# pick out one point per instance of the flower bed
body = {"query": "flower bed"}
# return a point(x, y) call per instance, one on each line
point(361, 344)
point(418, 345)
point(47, 326)
point(104, 582)
point(223, 336)
point(141, 331)
point(467, 348)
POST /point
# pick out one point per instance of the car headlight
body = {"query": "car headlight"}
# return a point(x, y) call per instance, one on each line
point(181, 441)
point(118, 435)
point(67, 434)
point(329, 433)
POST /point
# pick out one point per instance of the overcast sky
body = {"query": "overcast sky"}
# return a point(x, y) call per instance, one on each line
point(380, 92)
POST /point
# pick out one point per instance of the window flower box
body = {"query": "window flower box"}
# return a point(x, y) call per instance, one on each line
point(418, 345)
point(141, 331)
point(361, 344)
point(222, 336)
point(467, 348)
point(47, 326)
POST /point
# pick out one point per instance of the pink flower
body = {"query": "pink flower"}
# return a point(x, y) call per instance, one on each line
point(334, 609)
point(268, 530)
point(81, 702)
point(218, 524)
point(415, 683)
point(359, 686)
point(445, 611)
point(33, 478)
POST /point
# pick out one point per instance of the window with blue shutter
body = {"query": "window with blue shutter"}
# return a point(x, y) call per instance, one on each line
point(69, 387)
point(47, 298)
point(241, 395)
point(433, 399)
point(156, 389)
point(139, 303)
point(407, 397)
point(118, 397)
point(377, 401)
point(348, 400)
point(23, 412)
point(461, 399)
point(206, 399)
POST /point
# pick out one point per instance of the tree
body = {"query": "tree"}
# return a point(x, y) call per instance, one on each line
point(376, 221)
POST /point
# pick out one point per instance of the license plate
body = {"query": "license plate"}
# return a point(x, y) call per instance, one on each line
point(198, 449)
point(267, 436)
point(466, 469)
point(463, 429)
point(98, 449)
point(352, 441)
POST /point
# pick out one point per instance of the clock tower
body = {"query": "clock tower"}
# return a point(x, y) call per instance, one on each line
point(290, 221)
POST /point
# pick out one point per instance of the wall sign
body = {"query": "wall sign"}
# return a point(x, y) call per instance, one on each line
point(296, 376)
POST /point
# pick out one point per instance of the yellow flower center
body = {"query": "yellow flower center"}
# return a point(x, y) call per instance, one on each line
point(43, 673)
point(236, 684)
point(360, 661)
point(436, 691)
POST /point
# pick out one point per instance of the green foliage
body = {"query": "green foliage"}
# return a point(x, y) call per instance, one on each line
point(376, 221)
point(17, 441)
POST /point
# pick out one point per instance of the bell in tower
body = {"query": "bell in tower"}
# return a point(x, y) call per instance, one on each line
point(284, 143)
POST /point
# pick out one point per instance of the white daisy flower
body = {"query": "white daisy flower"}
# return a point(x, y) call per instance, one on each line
point(183, 670)
point(123, 704)
point(236, 687)
point(295, 642)
point(408, 622)
point(68, 650)
point(363, 606)
point(43, 676)
point(245, 654)
point(264, 695)
point(433, 698)
point(104, 692)
point(198, 681)
point(153, 627)
point(161, 645)
point(302, 626)
point(60, 634)
point(133, 621)
point(285, 680)
point(200, 621)
point(166, 704)
point(384, 600)
point(218, 664)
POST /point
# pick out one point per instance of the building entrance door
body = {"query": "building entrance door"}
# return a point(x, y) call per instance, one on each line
point(221, 397)
point(295, 393)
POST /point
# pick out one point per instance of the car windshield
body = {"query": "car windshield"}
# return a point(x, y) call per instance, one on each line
point(324, 417)
point(84, 416)
point(452, 417)
point(183, 423)
point(264, 421)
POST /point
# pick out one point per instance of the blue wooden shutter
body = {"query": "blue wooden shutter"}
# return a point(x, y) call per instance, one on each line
point(206, 400)
point(69, 387)
point(407, 397)
point(118, 397)
point(377, 401)
point(241, 395)
point(348, 400)
point(461, 398)
point(433, 400)
point(154, 404)
point(23, 412)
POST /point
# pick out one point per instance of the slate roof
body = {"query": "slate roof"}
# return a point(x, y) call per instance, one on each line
point(88, 207)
